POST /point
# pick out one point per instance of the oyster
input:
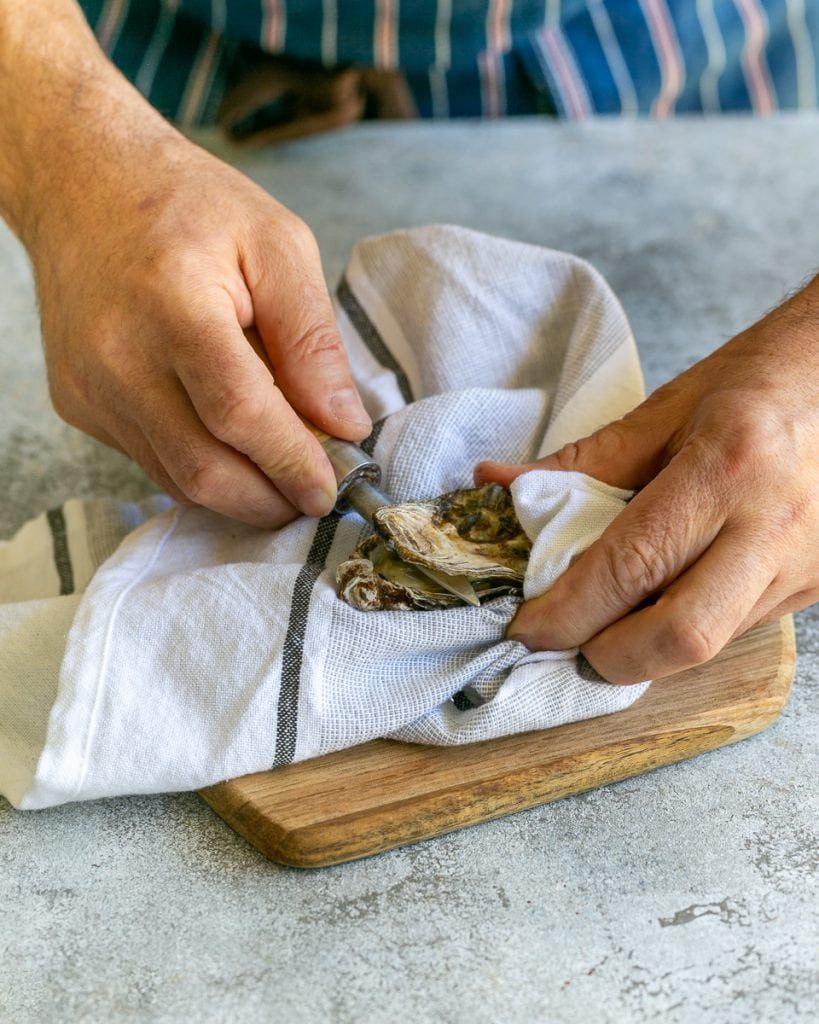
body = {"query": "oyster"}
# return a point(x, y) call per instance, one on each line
point(473, 533)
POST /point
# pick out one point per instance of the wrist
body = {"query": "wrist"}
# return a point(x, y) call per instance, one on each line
point(84, 171)
point(67, 111)
point(796, 325)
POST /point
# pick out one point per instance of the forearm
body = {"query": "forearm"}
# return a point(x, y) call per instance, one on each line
point(64, 104)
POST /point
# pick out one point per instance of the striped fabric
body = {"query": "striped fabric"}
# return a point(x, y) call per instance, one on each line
point(482, 57)
point(196, 650)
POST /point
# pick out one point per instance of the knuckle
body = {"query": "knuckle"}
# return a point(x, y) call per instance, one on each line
point(203, 483)
point(743, 449)
point(319, 342)
point(59, 399)
point(597, 453)
point(292, 461)
point(236, 416)
point(752, 435)
point(299, 233)
point(685, 641)
point(636, 567)
point(568, 457)
point(154, 469)
point(801, 510)
point(618, 669)
point(794, 512)
point(69, 398)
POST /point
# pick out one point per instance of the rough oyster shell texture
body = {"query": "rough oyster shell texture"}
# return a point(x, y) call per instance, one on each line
point(473, 533)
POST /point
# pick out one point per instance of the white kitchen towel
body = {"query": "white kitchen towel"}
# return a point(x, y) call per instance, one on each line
point(151, 648)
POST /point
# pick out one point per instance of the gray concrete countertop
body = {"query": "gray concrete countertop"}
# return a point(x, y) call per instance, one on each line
point(685, 895)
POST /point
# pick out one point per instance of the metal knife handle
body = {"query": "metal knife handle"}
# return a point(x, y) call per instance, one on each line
point(366, 499)
point(351, 464)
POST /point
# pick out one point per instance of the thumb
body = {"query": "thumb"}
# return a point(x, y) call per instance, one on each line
point(294, 317)
point(626, 453)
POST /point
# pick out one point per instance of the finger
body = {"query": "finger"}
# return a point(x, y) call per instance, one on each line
point(238, 401)
point(101, 435)
point(796, 584)
point(205, 470)
point(662, 531)
point(774, 604)
point(134, 444)
point(503, 473)
point(626, 453)
point(90, 422)
point(693, 620)
point(294, 316)
point(126, 437)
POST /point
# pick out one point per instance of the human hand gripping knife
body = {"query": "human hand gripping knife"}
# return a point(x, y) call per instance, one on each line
point(358, 478)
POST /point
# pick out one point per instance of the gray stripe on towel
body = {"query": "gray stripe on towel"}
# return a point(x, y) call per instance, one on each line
point(287, 716)
point(62, 558)
point(366, 330)
point(287, 713)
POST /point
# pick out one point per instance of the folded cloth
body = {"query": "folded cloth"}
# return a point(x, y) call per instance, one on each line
point(150, 648)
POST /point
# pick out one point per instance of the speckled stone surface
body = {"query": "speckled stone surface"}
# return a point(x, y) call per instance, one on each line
point(686, 895)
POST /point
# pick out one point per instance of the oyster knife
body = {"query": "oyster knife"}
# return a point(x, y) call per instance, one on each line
point(366, 499)
point(358, 478)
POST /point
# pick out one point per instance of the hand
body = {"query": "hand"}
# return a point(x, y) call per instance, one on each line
point(184, 311)
point(144, 295)
point(723, 533)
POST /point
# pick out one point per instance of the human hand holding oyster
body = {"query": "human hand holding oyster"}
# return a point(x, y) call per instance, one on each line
point(723, 532)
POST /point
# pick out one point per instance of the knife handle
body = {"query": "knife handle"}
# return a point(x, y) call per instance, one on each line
point(351, 464)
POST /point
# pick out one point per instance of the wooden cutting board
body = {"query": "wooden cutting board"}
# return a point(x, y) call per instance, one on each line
point(384, 794)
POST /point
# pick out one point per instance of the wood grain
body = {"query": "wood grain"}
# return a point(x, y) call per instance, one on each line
point(385, 794)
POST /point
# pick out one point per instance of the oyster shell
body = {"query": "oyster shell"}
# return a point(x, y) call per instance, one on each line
point(473, 533)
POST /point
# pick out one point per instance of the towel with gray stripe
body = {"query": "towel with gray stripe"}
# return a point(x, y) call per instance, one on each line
point(150, 648)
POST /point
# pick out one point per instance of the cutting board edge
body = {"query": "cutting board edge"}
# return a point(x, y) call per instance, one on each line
point(328, 842)
point(247, 819)
point(449, 810)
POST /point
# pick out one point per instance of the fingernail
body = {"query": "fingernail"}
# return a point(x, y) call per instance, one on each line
point(481, 471)
point(346, 405)
point(318, 501)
